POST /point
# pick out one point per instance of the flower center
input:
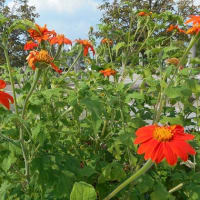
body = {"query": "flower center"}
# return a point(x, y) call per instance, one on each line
point(162, 134)
point(43, 56)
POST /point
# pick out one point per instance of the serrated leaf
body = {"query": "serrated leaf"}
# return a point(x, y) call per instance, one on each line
point(20, 24)
point(118, 46)
point(83, 191)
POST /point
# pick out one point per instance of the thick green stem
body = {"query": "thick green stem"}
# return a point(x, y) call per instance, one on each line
point(65, 112)
point(139, 173)
point(179, 186)
point(21, 137)
point(36, 78)
point(75, 61)
point(11, 78)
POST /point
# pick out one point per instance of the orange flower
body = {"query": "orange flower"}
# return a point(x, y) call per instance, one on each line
point(144, 14)
point(5, 98)
point(108, 72)
point(106, 41)
point(41, 56)
point(195, 29)
point(86, 45)
point(30, 45)
point(194, 19)
point(159, 142)
point(174, 61)
point(175, 27)
point(60, 39)
point(41, 33)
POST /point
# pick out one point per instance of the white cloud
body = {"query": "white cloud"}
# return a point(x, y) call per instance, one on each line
point(64, 6)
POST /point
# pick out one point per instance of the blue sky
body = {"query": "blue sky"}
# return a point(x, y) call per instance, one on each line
point(70, 17)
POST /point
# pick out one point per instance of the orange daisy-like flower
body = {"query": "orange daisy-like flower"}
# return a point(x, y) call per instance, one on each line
point(144, 13)
point(159, 142)
point(60, 39)
point(194, 19)
point(108, 72)
point(5, 98)
point(175, 27)
point(41, 56)
point(174, 61)
point(106, 41)
point(195, 29)
point(30, 45)
point(86, 45)
point(41, 33)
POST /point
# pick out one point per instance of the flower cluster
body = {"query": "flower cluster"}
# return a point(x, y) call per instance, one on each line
point(40, 34)
point(5, 98)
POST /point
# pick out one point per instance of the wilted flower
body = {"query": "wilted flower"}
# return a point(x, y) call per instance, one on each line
point(173, 61)
point(159, 142)
point(5, 98)
point(106, 41)
point(41, 56)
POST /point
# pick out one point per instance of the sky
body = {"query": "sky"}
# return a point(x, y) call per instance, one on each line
point(70, 17)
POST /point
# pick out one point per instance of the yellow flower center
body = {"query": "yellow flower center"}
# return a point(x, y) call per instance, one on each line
point(162, 134)
point(43, 56)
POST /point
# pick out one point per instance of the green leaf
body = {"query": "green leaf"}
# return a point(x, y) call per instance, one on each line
point(83, 191)
point(2, 19)
point(134, 95)
point(118, 46)
point(159, 193)
point(21, 24)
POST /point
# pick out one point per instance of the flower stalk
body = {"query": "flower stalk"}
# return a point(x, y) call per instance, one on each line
point(11, 77)
point(140, 172)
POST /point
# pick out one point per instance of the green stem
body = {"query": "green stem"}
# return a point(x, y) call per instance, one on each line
point(11, 78)
point(10, 140)
point(104, 127)
point(65, 112)
point(21, 137)
point(75, 61)
point(179, 186)
point(139, 173)
point(36, 78)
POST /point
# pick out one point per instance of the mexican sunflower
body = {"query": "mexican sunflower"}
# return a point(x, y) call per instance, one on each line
point(86, 45)
point(195, 20)
point(41, 56)
point(30, 45)
point(108, 72)
point(5, 98)
point(175, 27)
point(174, 61)
point(60, 39)
point(159, 142)
point(144, 13)
point(106, 41)
point(41, 33)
